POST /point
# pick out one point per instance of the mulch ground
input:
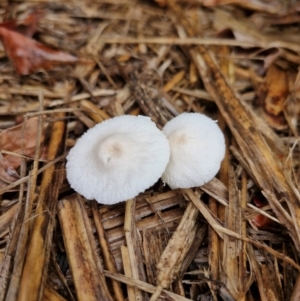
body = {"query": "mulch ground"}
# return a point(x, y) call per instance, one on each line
point(68, 65)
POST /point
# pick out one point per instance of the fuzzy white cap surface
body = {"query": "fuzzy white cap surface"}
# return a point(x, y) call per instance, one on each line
point(197, 149)
point(117, 159)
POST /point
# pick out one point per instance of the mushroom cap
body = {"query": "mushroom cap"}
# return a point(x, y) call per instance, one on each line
point(117, 159)
point(197, 149)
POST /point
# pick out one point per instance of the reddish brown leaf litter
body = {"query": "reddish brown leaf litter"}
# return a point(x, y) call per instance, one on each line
point(20, 141)
point(272, 96)
point(261, 221)
point(27, 55)
point(8, 174)
point(234, 238)
point(27, 26)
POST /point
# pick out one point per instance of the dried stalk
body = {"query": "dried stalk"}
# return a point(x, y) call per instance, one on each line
point(265, 169)
point(18, 243)
point(51, 295)
point(256, 269)
point(178, 246)
point(16, 250)
point(131, 247)
point(38, 251)
point(149, 101)
point(93, 111)
point(144, 286)
point(223, 231)
point(231, 246)
point(243, 254)
point(105, 248)
point(296, 292)
point(132, 291)
point(81, 251)
point(176, 41)
point(216, 189)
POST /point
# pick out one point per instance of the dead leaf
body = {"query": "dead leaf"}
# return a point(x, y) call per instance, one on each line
point(27, 26)
point(260, 220)
point(7, 173)
point(20, 139)
point(161, 3)
point(28, 55)
point(272, 96)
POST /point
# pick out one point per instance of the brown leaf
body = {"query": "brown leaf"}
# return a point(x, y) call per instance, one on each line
point(28, 55)
point(7, 172)
point(161, 3)
point(272, 96)
point(27, 26)
point(20, 139)
point(260, 220)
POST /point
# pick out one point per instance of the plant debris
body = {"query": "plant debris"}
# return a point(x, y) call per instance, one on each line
point(234, 238)
point(28, 55)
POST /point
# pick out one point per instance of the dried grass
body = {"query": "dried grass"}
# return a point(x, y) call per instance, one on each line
point(193, 244)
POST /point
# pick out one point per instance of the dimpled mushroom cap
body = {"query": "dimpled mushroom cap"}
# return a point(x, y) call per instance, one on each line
point(117, 159)
point(197, 148)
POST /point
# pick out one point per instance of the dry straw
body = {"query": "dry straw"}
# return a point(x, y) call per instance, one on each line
point(158, 59)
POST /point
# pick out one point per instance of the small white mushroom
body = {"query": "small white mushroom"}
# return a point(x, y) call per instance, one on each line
point(117, 159)
point(197, 149)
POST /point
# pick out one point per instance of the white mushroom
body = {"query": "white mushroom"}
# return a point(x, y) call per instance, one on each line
point(197, 148)
point(117, 159)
